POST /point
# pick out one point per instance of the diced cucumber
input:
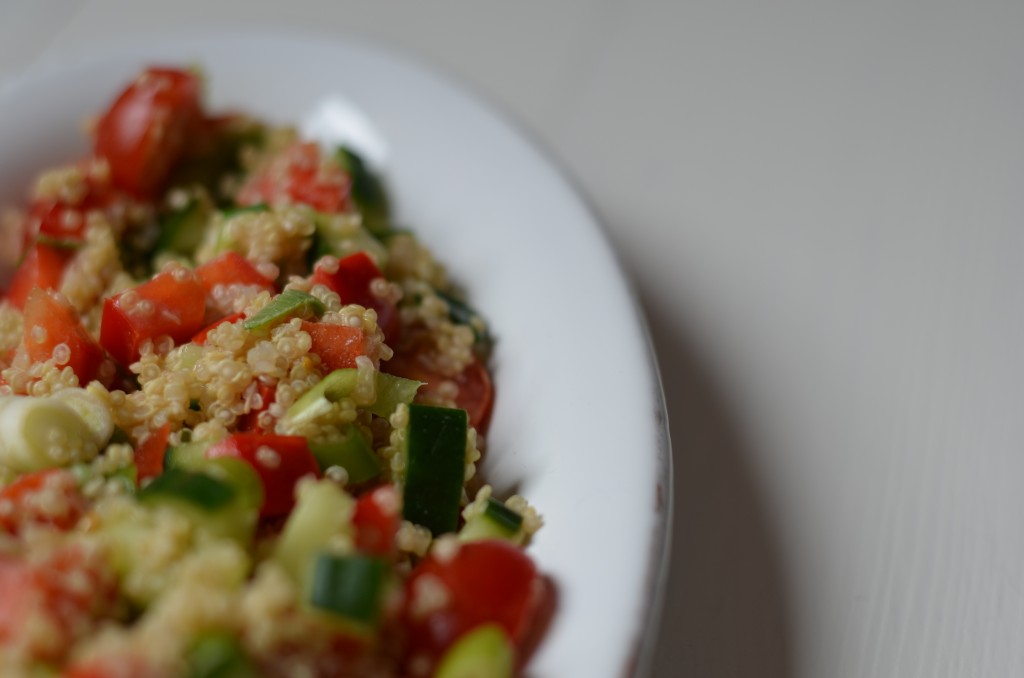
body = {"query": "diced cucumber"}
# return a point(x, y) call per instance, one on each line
point(435, 451)
point(322, 511)
point(349, 586)
point(497, 521)
point(288, 304)
point(185, 455)
point(182, 230)
point(367, 191)
point(219, 655)
point(196, 489)
point(484, 652)
point(352, 452)
point(215, 505)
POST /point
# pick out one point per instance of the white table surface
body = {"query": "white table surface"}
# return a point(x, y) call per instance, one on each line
point(822, 208)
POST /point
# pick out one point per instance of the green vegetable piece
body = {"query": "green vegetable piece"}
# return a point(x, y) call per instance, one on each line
point(317, 400)
point(59, 243)
point(185, 455)
point(197, 489)
point(349, 586)
point(461, 313)
point(484, 652)
point(497, 521)
point(352, 452)
point(235, 211)
point(182, 230)
point(367, 191)
point(219, 655)
point(288, 304)
point(391, 391)
point(322, 511)
point(435, 448)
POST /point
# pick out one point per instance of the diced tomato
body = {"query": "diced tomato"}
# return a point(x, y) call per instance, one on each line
point(352, 283)
point(377, 518)
point(171, 304)
point(50, 321)
point(43, 267)
point(487, 581)
point(231, 268)
point(48, 497)
point(149, 455)
point(68, 590)
point(476, 392)
point(250, 421)
point(279, 460)
point(299, 175)
point(337, 345)
point(144, 132)
point(64, 219)
point(200, 338)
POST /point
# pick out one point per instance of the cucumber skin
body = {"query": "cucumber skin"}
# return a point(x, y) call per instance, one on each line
point(435, 448)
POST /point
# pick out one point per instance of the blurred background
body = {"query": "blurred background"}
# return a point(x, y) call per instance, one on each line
point(820, 205)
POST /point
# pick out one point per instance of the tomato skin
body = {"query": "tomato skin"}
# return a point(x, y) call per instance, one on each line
point(20, 507)
point(279, 473)
point(64, 218)
point(43, 267)
point(175, 307)
point(377, 517)
point(143, 134)
point(337, 345)
point(299, 175)
point(60, 325)
point(231, 268)
point(352, 281)
point(149, 454)
point(488, 581)
point(476, 392)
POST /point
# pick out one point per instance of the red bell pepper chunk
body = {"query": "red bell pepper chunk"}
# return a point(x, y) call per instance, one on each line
point(43, 267)
point(51, 321)
point(231, 268)
point(377, 517)
point(280, 461)
point(487, 581)
point(200, 338)
point(299, 175)
point(19, 504)
point(337, 345)
point(171, 304)
point(149, 455)
point(352, 283)
point(145, 131)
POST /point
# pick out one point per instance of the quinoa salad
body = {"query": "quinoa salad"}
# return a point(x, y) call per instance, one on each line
point(241, 411)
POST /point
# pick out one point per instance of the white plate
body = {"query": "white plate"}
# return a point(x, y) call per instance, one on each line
point(579, 423)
